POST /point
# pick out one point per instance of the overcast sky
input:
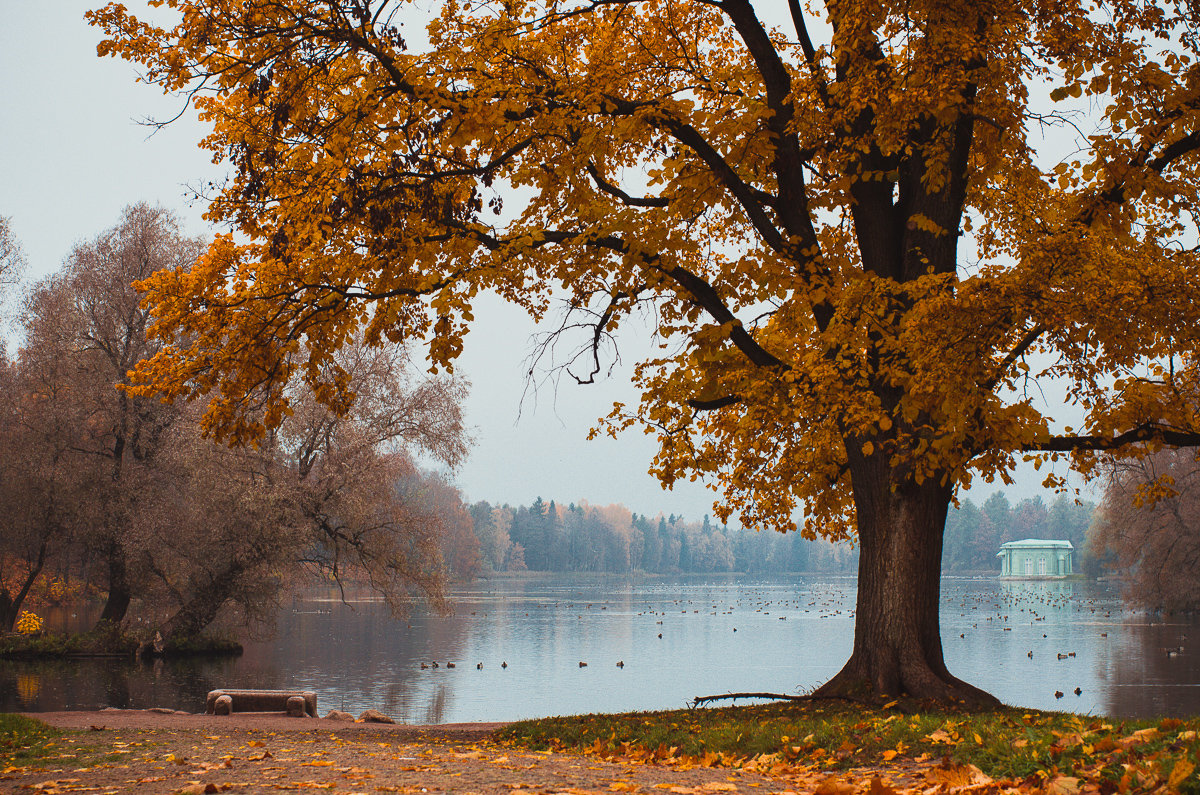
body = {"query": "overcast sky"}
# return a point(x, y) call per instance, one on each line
point(72, 155)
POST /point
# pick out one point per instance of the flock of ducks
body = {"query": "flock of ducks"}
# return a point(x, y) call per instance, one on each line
point(479, 666)
point(1036, 605)
point(832, 603)
point(827, 603)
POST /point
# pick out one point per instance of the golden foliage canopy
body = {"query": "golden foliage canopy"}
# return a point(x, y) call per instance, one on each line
point(859, 244)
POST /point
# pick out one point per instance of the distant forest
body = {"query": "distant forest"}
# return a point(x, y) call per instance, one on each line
point(581, 537)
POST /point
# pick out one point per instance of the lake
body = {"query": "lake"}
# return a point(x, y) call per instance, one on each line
point(678, 638)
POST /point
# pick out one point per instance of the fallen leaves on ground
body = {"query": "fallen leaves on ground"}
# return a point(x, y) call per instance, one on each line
point(1086, 759)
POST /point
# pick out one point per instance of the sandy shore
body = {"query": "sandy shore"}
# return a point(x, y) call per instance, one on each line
point(264, 721)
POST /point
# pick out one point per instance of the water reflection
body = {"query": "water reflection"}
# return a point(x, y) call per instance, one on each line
point(1158, 670)
point(93, 683)
point(1039, 639)
point(1023, 641)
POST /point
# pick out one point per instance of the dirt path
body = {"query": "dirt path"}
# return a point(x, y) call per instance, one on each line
point(155, 753)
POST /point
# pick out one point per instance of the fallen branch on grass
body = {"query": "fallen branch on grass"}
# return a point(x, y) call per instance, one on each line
point(698, 700)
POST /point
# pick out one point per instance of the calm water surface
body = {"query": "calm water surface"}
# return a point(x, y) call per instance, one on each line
point(678, 639)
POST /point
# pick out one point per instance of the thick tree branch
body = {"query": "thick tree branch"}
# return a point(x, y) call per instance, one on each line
point(810, 52)
point(1176, 150)
point(788, 160)
point(1019, 350)
point(776, 79)
point(631, 201)
point(713, 405)
point(1117, 194)
point(698, 700)
point(702, 293)
point(690, 137)
point(1146, 432)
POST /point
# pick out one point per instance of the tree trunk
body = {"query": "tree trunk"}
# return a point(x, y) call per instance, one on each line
point(10, 606)
point(897, 637)
point(119, 591)
point(193, 618)
point(8, 610)
point(202, 607)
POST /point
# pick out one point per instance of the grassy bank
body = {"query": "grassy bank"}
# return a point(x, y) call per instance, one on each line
point(105, 641)
point(1119, 755)
point(25, 741)
point(29, 742)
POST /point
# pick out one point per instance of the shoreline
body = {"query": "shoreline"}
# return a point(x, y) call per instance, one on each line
point(118, 719)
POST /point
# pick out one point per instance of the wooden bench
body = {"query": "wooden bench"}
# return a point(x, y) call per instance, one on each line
point(296, 703)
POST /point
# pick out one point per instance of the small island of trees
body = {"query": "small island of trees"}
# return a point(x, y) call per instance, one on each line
point(123, 499)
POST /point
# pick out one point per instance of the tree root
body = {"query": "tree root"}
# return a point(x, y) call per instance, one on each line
point(856, 682)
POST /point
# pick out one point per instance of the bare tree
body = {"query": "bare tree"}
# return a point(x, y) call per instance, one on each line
point(217, 528)
point(12, 263)
point(181, 528)
point(46, 488)
point(1149, 524)
point(374, 516)
point(335, 497)
point(89, 316)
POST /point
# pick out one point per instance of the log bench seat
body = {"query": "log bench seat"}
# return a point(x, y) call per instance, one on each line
point(296, 703)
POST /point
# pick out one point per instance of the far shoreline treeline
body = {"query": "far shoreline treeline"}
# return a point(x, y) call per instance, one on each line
point(578, 537)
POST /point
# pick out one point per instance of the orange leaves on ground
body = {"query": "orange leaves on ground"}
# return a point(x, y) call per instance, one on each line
point(1063, 785)
point(700, 789)
point(198, 788)
point(54, 785)
point(836, 785)
point(204, 767)
point(1140, 737)
point(877, 787)
point(845, 750)
point(306, 785)
point(943, 736)
point(1180, 773)
point(956, 777)
point(470, 755)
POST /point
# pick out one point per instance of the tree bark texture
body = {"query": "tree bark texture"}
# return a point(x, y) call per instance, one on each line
point(8, 611)
point(202, 607)
point(119, 590)
point(897, 635)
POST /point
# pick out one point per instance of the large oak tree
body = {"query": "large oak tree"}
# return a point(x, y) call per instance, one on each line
point(859, 265)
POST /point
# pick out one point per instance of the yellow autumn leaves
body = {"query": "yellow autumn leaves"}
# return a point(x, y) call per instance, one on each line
point(851, 244)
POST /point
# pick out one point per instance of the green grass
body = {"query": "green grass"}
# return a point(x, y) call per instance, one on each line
point(25, 741)
point(1004, 743)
